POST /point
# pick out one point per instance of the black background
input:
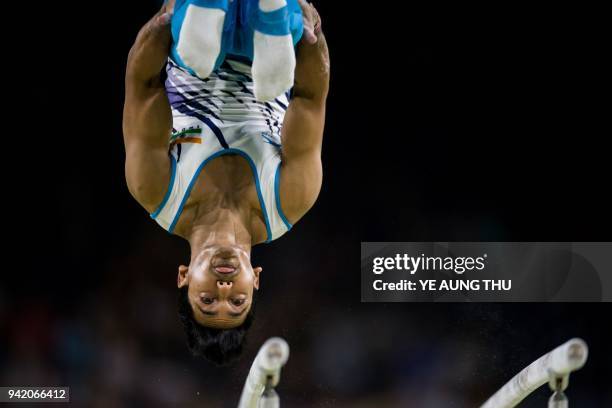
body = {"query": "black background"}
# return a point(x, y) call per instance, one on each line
point(450, 123)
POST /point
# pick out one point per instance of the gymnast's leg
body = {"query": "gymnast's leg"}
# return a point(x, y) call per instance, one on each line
point(264, 31)
point(273, 47)
point(197, 30)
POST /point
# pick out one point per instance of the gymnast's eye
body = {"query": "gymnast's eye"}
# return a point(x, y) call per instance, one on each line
point(238, 302)
point(207, 300)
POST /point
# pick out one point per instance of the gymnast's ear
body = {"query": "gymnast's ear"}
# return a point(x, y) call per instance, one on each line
point(182, 276)
point(257, 271)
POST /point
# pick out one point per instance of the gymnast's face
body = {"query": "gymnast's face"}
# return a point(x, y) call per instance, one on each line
point(220, 282)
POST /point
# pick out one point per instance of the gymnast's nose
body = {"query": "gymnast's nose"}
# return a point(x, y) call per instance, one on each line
point(224, 286)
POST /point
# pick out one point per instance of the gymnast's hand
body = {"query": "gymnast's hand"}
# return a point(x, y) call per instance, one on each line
point(150, 51)
point(312, 22)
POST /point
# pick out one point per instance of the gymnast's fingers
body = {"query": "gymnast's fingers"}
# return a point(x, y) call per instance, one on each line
point(150, 51)
point(317, 22)
point(309, 22)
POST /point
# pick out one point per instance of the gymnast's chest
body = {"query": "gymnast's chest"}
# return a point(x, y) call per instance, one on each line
point(225, 181)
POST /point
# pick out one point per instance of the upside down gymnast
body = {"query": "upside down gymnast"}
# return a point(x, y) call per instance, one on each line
point(220, 150)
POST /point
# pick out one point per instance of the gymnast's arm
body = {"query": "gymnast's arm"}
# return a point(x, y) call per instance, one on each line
point(302, 133)
point(147, 117)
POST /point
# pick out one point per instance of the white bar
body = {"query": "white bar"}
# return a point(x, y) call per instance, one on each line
point(272, 356)
point(566, 358)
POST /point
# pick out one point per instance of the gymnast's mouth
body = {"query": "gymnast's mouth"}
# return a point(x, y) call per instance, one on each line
point(225, 266)
point(225, 269)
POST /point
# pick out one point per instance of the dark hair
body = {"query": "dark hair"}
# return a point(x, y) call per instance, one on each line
point(220, 346)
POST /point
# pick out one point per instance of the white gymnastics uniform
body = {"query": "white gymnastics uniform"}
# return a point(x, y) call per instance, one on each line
point(219, 116)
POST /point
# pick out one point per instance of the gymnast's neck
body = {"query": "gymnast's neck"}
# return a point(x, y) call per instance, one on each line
point(223, 227)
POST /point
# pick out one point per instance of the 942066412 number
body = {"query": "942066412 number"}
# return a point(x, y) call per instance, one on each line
point(34, 394)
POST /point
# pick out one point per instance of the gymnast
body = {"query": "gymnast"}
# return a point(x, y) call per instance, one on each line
point(223, 127)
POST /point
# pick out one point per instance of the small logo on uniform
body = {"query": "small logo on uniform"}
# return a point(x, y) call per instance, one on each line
point(186, 135)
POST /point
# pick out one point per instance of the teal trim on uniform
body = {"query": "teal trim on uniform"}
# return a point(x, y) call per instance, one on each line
point(224, 152)
point(297, 26)
point(213, 4)
point(155, 214)
point(279, 208)
point(274, 23)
